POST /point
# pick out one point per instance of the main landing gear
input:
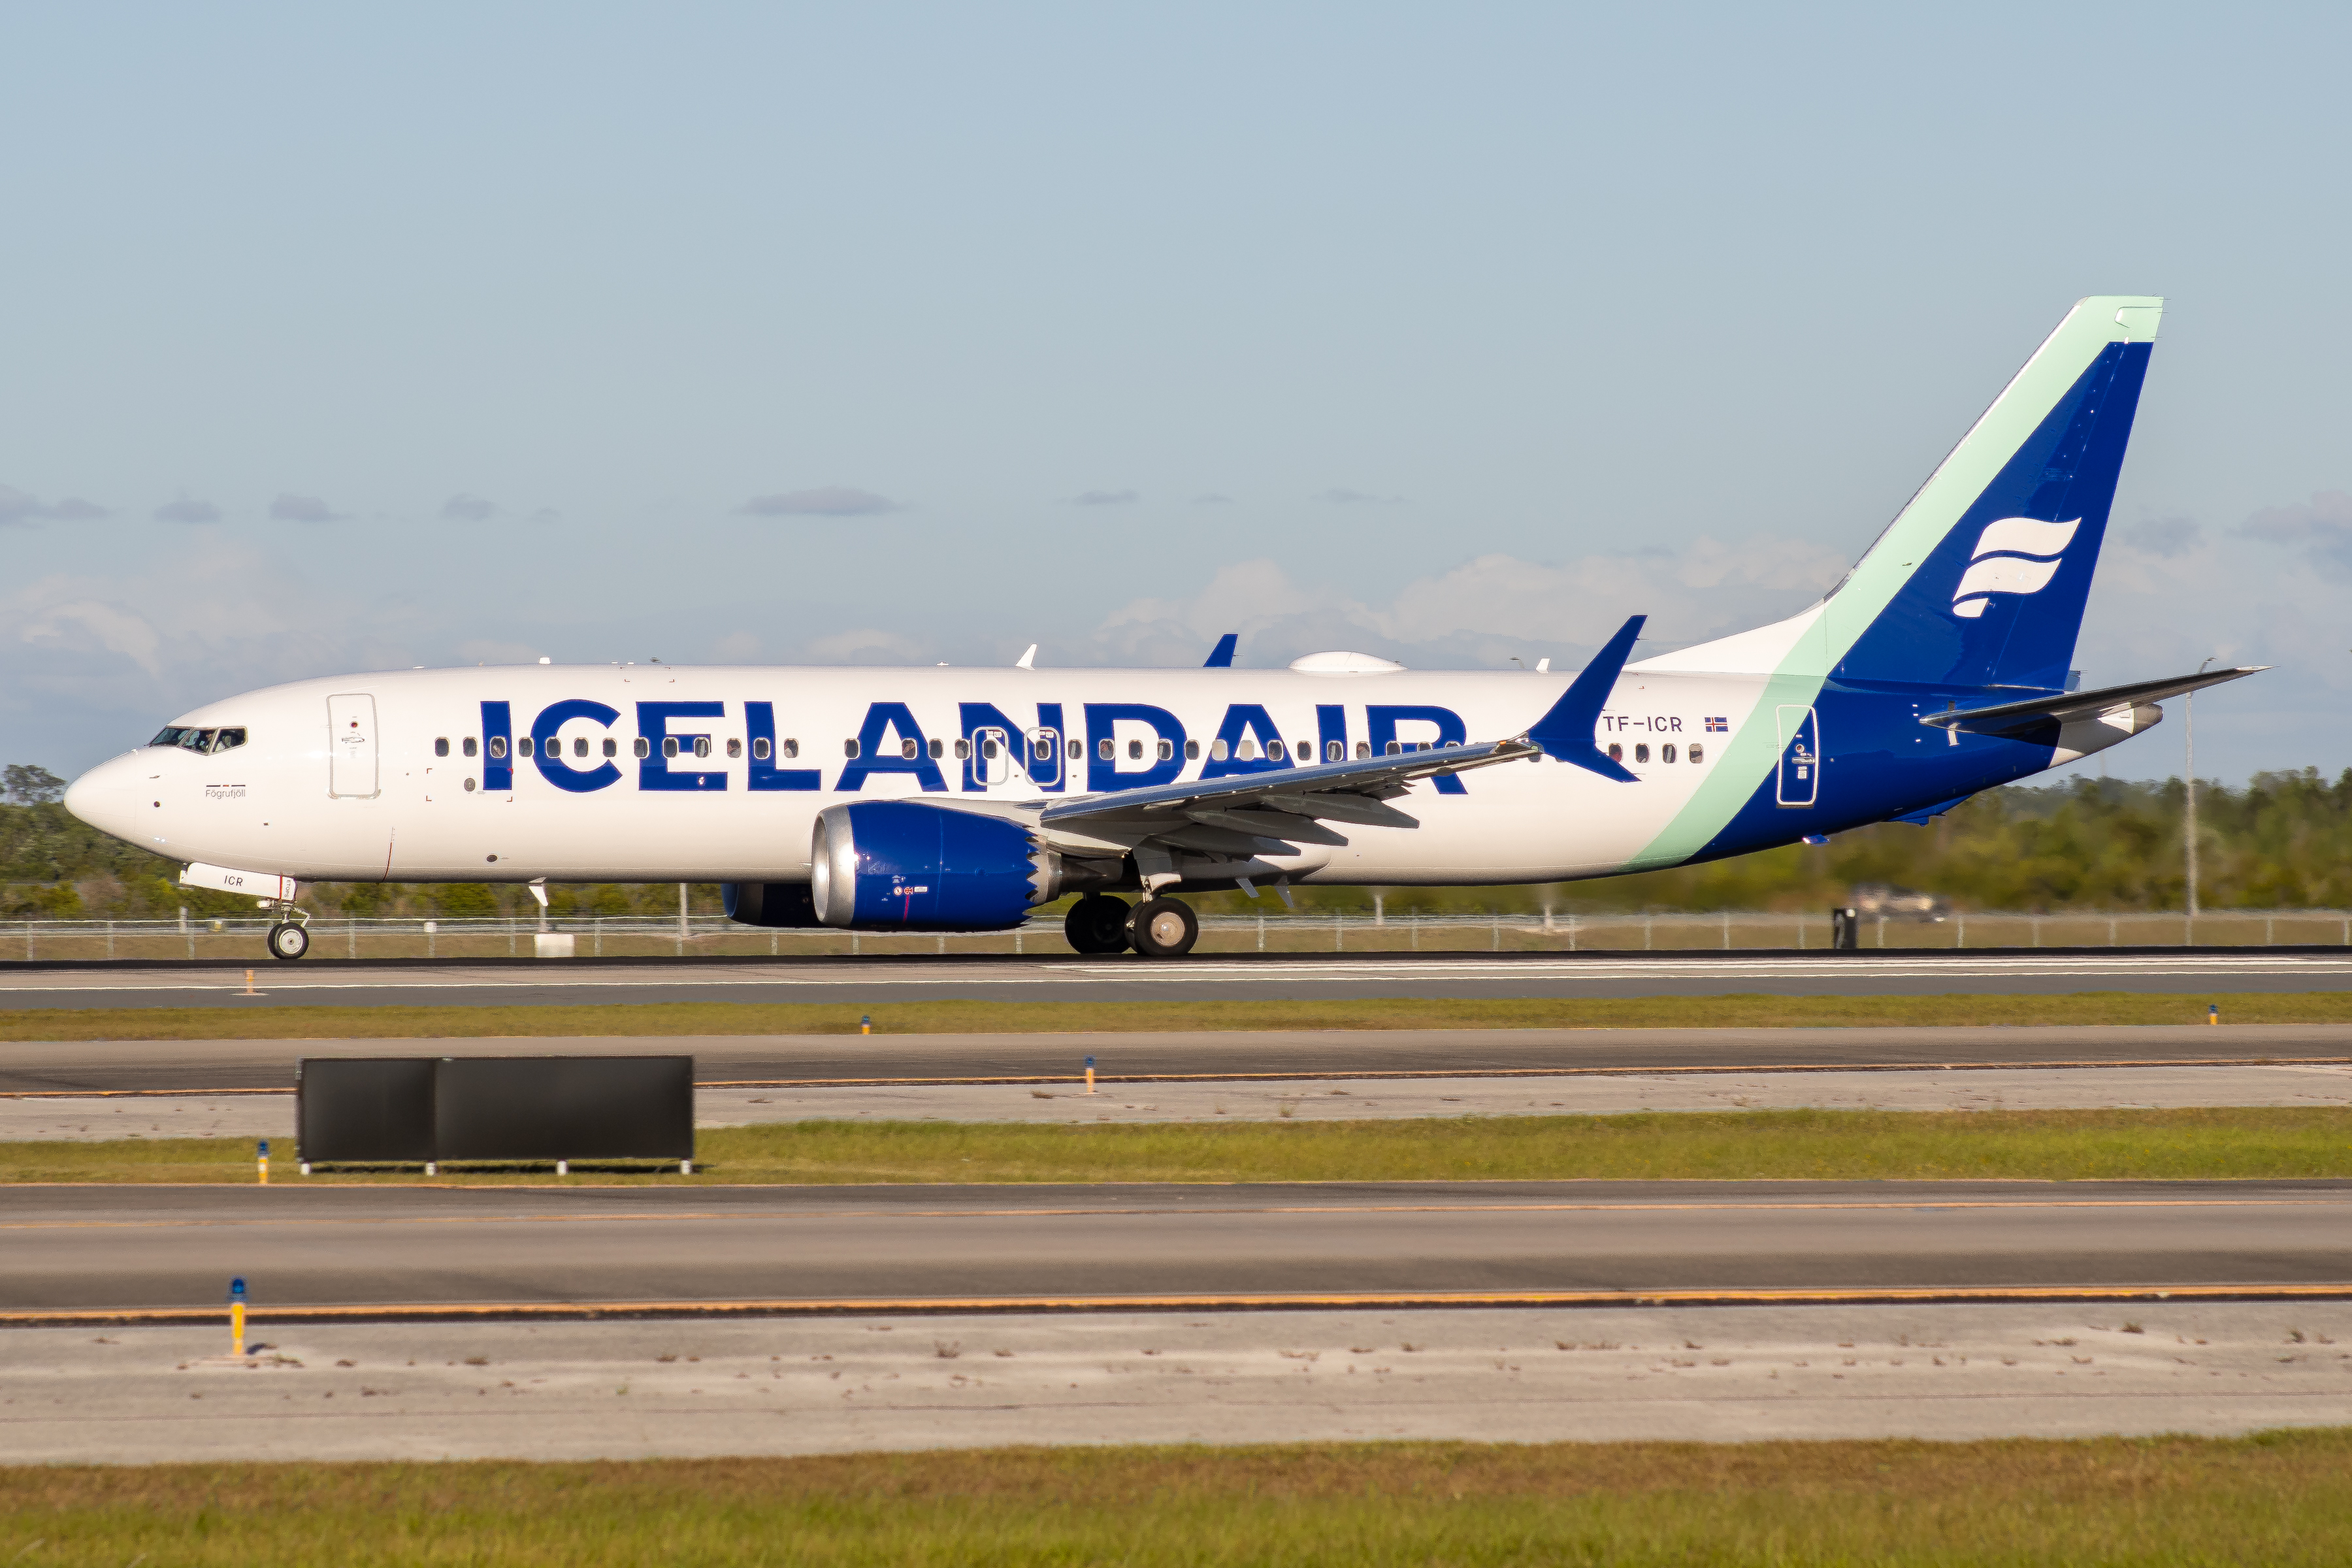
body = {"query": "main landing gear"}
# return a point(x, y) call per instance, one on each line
point(1156, 928)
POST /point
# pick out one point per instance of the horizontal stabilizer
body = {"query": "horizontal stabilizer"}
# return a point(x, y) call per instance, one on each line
point(2064, 707)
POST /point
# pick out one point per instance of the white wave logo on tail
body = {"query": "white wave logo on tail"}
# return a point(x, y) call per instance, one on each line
point(2015, 555)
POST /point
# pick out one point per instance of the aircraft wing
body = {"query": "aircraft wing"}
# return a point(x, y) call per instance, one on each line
point(1277, 804)
point(2061, 707)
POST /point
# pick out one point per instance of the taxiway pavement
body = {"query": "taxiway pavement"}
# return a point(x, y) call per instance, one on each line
point(85, 1067)
point(683, 1389)
point(103, 1249)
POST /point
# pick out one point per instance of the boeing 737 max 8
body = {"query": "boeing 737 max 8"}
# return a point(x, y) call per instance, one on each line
point(958, 799)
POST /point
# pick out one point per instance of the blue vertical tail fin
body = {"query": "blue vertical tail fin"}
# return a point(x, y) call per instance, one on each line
point(1981, 579)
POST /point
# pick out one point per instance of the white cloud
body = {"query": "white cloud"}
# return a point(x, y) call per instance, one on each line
point(2322, 526)
point(865, 645)
point(187, 510)
point(465, 508)
point(829, 500)
point(1486, 610)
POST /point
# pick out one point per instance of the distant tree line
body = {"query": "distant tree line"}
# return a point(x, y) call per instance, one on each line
point(2283, 840)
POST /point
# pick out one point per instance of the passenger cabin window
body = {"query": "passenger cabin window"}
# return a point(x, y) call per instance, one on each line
point(1192, 751)
point(759, 748)
point(469, 745)
point(734, 748)
point(1077, 749)
point(1394, 748)
point(906, 749)
point(1167, 751)
point(1697, 753)
point(669, 745)
point(792, 748)
point(1134, 751)
point(1666, 753)
point(1363, 750)
point(702, 746)
point(612, 747)
point(1105, 749)
point(1641, 754)
point(1273, 751)
point(1335, 751)
point(849, 748)
point(642, 747)
point(939, 750)
point(497, 746)
point(441, 746)
point(1616, 754)
point(524, 746)
point(963, 751)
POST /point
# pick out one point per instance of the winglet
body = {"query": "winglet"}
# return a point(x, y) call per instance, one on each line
point(1566, 732)
point(1027, 660)
point(1222, 656)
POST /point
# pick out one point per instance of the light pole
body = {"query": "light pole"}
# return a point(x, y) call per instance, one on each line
point(2189, 724)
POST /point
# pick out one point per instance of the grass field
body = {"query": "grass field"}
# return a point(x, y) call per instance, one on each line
point(273, 1019)
point(2282, 1499)
point(1854, 1145)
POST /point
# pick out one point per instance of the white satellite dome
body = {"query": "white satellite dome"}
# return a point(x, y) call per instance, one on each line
point(1344, 664)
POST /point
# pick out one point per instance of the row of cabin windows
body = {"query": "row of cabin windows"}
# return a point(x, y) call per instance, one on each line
point(1042, 743)
point(1697, 753)
point(761, 749)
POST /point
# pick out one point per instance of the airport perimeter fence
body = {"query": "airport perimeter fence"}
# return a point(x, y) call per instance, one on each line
point(1276, 932)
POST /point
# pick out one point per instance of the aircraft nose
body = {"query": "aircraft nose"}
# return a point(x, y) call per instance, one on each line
point(109, 796)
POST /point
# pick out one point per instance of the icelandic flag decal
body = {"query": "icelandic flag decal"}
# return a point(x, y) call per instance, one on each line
point(1719, 726)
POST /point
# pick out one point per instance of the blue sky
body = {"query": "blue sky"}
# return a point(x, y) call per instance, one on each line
point(343, 338)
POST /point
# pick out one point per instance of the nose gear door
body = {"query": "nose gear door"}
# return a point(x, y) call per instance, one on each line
point(1800, 756)
point(350, 746)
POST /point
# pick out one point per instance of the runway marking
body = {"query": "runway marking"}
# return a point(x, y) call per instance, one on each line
point(738, 1215)
point(1206, 1302)
point(1370, 1075)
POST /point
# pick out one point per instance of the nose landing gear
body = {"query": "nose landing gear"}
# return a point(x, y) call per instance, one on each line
point(289, 938)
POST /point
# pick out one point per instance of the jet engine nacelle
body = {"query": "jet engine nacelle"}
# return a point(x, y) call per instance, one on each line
point(904, 866)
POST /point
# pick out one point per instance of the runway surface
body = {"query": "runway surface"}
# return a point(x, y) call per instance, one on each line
point(846, 1385)
point(2198, 970)
point(108, 1248)
point(86, 1067)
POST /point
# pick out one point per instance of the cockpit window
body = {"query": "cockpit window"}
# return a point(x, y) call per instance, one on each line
point(202, 741)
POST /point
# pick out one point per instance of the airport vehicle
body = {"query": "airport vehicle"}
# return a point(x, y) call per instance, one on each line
point(958, 799)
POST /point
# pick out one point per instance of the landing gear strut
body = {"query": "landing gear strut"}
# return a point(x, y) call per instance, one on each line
point(288, 939)
point(1097, 924)
point(1164, 928)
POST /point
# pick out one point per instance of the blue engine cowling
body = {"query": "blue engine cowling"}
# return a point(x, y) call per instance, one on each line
point(905, 866)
